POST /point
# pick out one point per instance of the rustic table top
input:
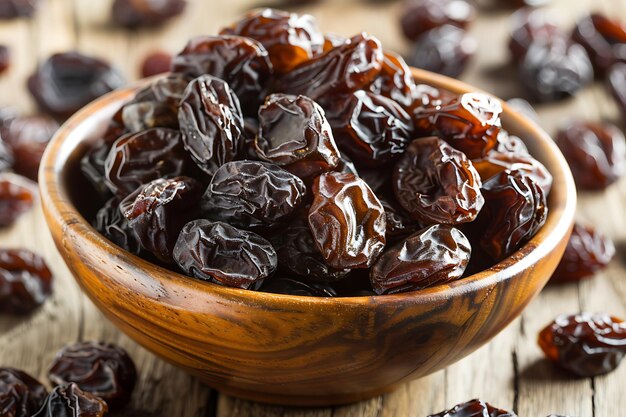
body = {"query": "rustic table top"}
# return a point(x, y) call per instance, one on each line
point(509, 372)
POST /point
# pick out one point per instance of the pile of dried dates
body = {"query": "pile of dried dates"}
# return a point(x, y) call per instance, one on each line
point(277, 158)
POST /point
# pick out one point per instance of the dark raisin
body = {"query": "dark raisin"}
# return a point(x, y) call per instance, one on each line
point(595, 152)
point(157, 211)
point(586, 344)
point(370, 128)
point(470, 122)
point(395, 80)
point(25, 281)
point(241, 62)
point(616, 83)
point(603, 38)
point(223, 254)
point(496, 162)
point(10, 9)
point(587, 252)
point(138, 158)
point(134, 13)
point(420, 16)
point(294, 133)
point(475, 408)
point(292, 286)
point(211, 122)
point(445, 50)
point(157, 62)
point(347, 221)
point(21, 395)
point(290, 39)
point(101, 369)
point(530, 26)
point(399, 224)
point(346, 68)
point(435, 255)
point(17, 196)
point(70, 401)
point(114, 226)
point(437, 184)
point(555, 69)
point(252, 194)
point(27, 138)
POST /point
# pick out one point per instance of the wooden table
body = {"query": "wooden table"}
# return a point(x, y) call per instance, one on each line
point(509, 372)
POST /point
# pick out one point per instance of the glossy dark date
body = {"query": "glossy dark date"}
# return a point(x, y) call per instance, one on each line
point(25, 281)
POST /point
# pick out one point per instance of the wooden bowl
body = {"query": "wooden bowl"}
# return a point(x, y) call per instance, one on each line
point(290, 349)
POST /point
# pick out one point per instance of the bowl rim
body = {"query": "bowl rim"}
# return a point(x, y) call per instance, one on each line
point(59, 209)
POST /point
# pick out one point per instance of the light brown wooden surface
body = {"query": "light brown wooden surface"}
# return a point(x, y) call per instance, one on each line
point(509, 372)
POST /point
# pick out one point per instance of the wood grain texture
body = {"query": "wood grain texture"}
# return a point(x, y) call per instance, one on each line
point(508, 371)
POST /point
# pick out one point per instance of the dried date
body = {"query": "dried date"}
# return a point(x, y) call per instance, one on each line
point(395, 80)
point(399, 224)
point(138, 158)
point(135, 13)
point(437, 184)
point(475, 408)
point(211, 122)
point(603, 38)
point(294, 134)
point(17, 196)
point(21, 395)
point(114, 226)
point(70, 401)
point(101, 369)
point(531, 26)
point(616, 83)
point(92, 168)
point(157, 211)
point(158, 62)
point(595, 152)
point(347, 221)
point(585, 344)
point(25, 281)
point(496, 162)
point(241, 62)
point(435, 255)
point(370, 128)
point(445, 50)
point(67, 81)
point(225, 255)
point(420, 16)
point(346, 68)
point(587, 252)
point(252, 194)
point(290, 39)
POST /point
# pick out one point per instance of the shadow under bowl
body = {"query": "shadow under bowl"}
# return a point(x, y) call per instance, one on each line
point(297, 350)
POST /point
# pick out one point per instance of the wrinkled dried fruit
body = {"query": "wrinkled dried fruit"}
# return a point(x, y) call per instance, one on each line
point(25, 281)
point(294, 134)
point(225, 255)
point(290, 39)
point(138, 158)
point(587, 252)
point(399, 224)
point(531, 26)
point(437, 184)
point(596, 153)
point(435, 255)
point(67, 81)
point(5, 58)
point(395, 80)
point(291, 286)
point(347, 221)
point(92, 168)
point(496, 162)
point(603, 38)
point(616, 83)
point(515, 208)
point(157, 211)
point(475, 408)
point(586, 344)
point(555, 69)
point(134, 13)
point(252, 194)
point(510, 144)
point(211, 122)
point(369, 128)
point(346, 68)
point(241, 62)
point(446, 50)
point(17, 196)
point(10, 9)
point(298, 255)
point(21, 395)
point(27, 138)
point(155, 63)
point(470, 122)
point(114, 226)
point(70, 401)
point(420, 16)
point(101, 369)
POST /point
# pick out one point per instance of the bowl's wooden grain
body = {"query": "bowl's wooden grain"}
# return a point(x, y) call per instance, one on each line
point(299, 350)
